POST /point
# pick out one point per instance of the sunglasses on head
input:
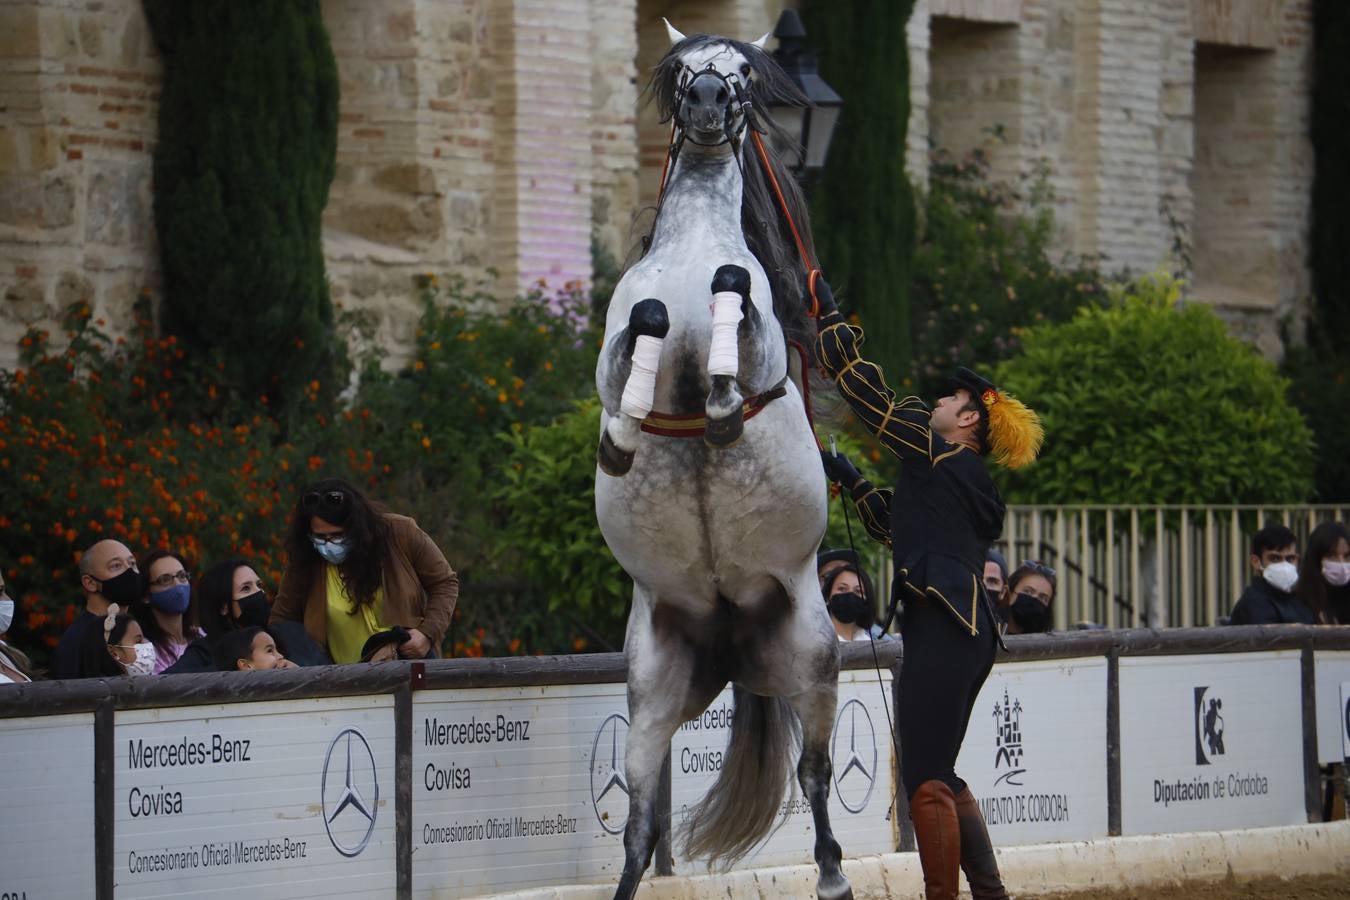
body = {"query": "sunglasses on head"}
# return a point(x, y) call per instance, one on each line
point(1039, 567)
point(326, 499)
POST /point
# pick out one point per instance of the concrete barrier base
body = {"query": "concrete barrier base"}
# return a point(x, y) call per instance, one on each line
point(1122, 862)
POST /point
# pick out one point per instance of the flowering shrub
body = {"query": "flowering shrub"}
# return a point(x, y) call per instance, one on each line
point(129, 440)
point(137, 440)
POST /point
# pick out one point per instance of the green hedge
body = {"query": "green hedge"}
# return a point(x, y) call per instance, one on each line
point(244, 156)
point(1145, 400)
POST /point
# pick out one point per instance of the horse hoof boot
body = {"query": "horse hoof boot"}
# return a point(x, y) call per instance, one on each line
point(613, 461)
point(725, 432)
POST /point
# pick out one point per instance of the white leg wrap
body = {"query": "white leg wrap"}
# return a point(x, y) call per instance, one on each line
point(639, 392)
point(723, 357)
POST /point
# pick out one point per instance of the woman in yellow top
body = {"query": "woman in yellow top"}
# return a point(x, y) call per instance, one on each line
point(355, 569)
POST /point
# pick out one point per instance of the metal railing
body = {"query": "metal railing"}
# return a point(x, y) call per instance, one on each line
point(1156, 566)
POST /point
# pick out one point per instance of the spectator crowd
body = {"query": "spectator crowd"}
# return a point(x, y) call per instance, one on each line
point(362, 584)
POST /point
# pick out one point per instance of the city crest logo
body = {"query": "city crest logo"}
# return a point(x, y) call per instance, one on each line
point(1008, 739)
point(853, 750)
point(349, 777)
point(1208, 727)
point(609, 788)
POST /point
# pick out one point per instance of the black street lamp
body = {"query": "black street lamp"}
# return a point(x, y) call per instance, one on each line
point(810, 129)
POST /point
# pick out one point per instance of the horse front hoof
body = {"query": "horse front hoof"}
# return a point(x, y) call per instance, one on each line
point(725, 432)
point(613, 461)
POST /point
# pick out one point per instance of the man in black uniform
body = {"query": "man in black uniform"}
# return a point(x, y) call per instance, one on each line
point(940, 519)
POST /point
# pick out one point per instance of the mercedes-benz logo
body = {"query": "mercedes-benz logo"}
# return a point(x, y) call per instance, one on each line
point(609, 789)
point(853, 750)
point(344, 796)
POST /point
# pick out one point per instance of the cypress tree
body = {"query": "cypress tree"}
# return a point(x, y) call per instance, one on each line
point(1331, 177)
point(246, 152)
point(863, 208)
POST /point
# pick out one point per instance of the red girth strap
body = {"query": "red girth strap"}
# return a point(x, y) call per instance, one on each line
point(694, 424)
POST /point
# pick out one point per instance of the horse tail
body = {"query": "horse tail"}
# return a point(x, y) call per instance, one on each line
point(759, 765)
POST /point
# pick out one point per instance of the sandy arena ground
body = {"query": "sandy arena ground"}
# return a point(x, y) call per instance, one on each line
point(1324, 887)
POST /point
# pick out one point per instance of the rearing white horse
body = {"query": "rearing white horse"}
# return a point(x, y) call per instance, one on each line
point(719, 534)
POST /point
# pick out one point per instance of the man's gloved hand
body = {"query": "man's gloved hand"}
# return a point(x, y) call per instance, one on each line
point(839, 469)
point(824, 296)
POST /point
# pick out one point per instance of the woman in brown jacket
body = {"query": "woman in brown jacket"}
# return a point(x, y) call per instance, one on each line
point(354, 569)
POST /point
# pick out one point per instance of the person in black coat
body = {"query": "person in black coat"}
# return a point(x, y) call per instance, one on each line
point(939, 521)
point(1270, 598)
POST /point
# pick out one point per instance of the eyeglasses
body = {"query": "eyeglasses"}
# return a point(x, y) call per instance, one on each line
point(182, 576)
point(336, 537)
point(1039, 567)
point(330, 499)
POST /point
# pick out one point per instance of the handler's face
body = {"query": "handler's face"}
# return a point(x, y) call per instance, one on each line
point(948, 410)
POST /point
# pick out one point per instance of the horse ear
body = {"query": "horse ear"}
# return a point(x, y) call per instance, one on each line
point(672, 32)
point(762, 41)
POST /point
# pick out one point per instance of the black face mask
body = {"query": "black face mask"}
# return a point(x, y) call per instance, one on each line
point(847, 608)
point(1030, 614)
point(253, 610)
point(123, 589)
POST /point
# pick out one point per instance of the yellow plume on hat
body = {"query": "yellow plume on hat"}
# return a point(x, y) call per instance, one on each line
point(1015, 431)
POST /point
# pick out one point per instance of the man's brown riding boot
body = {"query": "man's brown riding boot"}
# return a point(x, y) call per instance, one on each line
point(938, 832)
point(977, 853)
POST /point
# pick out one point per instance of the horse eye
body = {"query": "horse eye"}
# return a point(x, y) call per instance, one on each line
point(745, 70)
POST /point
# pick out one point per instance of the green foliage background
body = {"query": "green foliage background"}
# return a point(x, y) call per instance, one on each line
point(245, 154)
point(1148, 401)
point(863, 212)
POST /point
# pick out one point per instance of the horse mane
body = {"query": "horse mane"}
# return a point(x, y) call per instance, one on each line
point(766, 230)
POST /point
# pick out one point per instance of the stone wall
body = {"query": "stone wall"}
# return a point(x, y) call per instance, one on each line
point(79, 84)
point(1174, 134)
point(497, 139)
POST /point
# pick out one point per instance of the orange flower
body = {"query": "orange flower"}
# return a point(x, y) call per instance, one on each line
point(315, 463)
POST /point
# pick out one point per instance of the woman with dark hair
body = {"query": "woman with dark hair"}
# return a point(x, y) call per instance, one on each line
point(166, 613)
point(1025, 605)
point(115, 647)
point(849, 596)
point(355, 569)
point(231, 596)
point(1324, 574)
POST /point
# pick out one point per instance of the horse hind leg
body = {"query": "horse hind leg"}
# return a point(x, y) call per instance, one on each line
point(815, 709)
point(731, 306)
point(638, 351)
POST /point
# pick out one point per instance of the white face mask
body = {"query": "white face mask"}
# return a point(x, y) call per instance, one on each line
point(145, 659)
point(1281, 575)
point(6, 614)
point(1337, 574)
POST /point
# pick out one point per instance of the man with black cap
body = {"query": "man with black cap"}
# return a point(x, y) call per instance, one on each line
point(943, 514)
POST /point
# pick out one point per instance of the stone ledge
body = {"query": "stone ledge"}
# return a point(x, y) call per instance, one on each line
point(1122, 862)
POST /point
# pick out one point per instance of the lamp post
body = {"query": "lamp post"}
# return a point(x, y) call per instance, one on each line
point(810, 129)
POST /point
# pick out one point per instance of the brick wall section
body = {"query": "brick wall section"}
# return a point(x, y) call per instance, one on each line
point(412, 192)
point(544, 160)
point(975, 88)
point(614, 95)
point(79, 83)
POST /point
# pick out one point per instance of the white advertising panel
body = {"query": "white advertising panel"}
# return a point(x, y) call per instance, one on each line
point(278, 799)
point(1330, 668)
point(860, 796)
point(517, 787)
point(1035, 751)
point(47, 793)
point(1211, 742)
point(1345, 718)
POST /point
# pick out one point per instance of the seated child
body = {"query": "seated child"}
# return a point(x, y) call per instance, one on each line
point(247, 649)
